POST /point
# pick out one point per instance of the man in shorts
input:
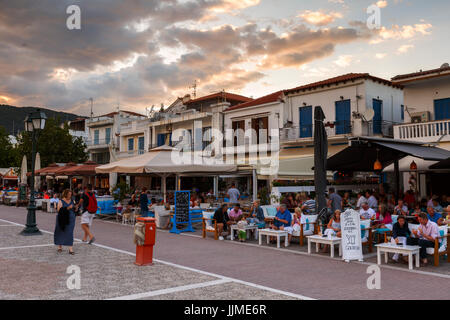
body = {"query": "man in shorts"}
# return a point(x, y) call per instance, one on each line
point(86, 216)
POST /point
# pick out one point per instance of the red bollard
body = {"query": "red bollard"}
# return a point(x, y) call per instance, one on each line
point(144, 253)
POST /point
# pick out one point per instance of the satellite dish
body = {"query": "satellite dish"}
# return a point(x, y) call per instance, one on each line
point(368, 114)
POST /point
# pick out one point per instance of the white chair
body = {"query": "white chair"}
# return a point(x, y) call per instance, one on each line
point(162, 216)
point(204, 205)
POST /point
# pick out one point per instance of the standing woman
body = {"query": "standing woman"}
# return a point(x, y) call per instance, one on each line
point(65, 222)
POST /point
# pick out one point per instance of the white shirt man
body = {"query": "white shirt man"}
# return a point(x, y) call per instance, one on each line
point(366, 212)
point(361, 199)
point(234, 194)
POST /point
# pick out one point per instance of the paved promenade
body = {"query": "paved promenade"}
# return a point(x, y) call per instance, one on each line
point(189, 267)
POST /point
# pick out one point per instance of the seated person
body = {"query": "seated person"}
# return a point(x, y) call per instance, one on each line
point(256, 213)
point(424, 236)
point(417, 210)
point(334, 225)
point(447, 217)
point(383, 217)
point(400, 234)
point(436, 206)
point(221, 218)
point(241, 229)
point(366, 212)
point(295, 224)
point(400, 209)
point(435, 216)
point(235, 214)
point(54, 201)
point(333, 228)
point(195, 205)
point(282, 219)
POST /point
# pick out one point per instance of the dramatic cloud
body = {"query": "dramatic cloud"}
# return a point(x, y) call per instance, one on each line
point(319, 18)
point(402, 32)
point(143, 52)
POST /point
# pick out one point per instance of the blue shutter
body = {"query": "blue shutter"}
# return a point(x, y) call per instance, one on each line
point(130, 144)
point(402, 112)
point(96, 136)
point(442, 109)
point(108, 135)
point(161, 139)
point(141, 143)
point(305, 122)
point(377, 119)
point(343, 117)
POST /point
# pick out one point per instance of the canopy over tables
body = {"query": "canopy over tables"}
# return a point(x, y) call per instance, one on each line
point(164, 161)
point(160, 161)
point(362, 153)
point(85, 169)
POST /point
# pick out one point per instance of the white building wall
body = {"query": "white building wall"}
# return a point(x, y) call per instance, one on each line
point(392, 100)
point(420, 96)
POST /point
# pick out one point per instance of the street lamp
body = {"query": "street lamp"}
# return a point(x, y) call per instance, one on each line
point(33, 122)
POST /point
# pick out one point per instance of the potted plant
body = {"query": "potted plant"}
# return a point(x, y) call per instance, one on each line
point(120, 192)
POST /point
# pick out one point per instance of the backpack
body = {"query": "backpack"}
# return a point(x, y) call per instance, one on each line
point(92, 205)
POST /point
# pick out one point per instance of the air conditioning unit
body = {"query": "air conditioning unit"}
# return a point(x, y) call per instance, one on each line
point(420, 117)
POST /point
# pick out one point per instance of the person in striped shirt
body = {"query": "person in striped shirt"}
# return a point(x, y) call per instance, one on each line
point(309, 205)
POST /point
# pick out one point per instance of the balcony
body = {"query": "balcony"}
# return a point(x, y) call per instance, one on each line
point(306, 133)
point(99, 122)
point(98, 143)
point(130, 153)
point(427, 132)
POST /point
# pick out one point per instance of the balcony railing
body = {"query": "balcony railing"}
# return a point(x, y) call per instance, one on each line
point(380, 127)
point(305, 132)
point(98, 142)
point(424, 131)
point(130, 153)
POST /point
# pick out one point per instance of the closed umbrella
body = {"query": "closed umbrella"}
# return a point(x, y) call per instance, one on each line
point(23, 171)
point(37, 166)
point(320, 158)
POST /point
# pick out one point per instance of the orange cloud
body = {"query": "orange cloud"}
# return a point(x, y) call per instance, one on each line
point(319, 18)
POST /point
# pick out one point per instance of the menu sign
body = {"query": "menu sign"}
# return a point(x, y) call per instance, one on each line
point(351, 236)
point(182, 203)
point(182, 216)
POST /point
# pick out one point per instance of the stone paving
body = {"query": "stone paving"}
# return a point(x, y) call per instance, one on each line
point(30, 270)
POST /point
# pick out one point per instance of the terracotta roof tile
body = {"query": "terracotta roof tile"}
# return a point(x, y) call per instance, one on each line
point(420, 73)
point(229, 96)
point(273, 97)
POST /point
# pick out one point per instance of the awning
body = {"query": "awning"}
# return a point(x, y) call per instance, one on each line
point(163, 160)
point(444, 164)
point(298, 163)
point(405, 163)
point(362, 152)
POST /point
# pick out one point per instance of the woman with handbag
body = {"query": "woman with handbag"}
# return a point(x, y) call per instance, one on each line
point(65, 222)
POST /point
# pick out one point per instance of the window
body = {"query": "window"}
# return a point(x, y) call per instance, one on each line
point(343, 124)
point(141, 143)
point(238, 132)
point(207, 137)
point(378, 117)
point(261, 124)
point(305, 122)
point(161, 139)
point(108, 135)
point(442, 109)
point(130, 144)
point(96, 137)
point(402, 112)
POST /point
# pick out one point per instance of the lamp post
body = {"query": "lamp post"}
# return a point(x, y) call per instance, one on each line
point(33, 122)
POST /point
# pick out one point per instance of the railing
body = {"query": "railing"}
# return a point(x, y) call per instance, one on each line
point(98, 142)
point(424, 131)
point(380, 127)
point(130, 153)
point(305, 132)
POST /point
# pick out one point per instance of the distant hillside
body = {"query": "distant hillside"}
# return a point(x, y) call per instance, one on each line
point(12, 117)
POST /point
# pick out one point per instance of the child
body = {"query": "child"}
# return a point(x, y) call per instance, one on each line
point(241, 229)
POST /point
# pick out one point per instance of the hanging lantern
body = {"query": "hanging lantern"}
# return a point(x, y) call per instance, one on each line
point(413, 166)
point(377, 166)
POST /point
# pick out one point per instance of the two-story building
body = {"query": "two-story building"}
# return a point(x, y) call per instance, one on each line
point(185, 118)
point(355, 104)
point(427, 120)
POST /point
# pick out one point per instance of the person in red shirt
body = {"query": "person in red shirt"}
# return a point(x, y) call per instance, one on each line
point(409, 199)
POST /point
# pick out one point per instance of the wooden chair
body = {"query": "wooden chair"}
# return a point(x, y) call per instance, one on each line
point(435, 251)
point(302, 236)
point(205, 228)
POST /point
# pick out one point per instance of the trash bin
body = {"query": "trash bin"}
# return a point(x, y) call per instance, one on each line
point(144, 238)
